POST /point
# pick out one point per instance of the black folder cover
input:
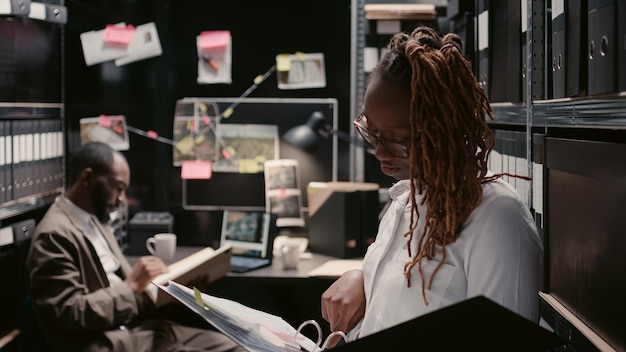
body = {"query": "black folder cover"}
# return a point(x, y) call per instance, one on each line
point(602, 47)
point(559, 62)
point(477, 324)
point(576, 48)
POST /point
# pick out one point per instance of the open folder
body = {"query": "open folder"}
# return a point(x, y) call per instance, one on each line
point(477, 324)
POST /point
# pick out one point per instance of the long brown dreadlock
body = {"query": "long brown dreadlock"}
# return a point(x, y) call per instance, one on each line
point(452, 141)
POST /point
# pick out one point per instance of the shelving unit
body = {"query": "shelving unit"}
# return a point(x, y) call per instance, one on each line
point(32, 139)
point(587, 124)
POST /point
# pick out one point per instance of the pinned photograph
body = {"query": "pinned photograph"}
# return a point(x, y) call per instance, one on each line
point(244, 148)
point(111, 130)
point(194, 131)
point(300, 71)
point(287, 205)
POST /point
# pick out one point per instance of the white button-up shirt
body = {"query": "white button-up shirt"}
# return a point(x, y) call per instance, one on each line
point(498, 255)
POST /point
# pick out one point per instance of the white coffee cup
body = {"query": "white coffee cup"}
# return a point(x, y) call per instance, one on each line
point(162, 245)
point(290, 255)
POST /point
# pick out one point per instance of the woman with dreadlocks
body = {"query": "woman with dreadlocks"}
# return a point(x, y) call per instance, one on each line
point(454, 230)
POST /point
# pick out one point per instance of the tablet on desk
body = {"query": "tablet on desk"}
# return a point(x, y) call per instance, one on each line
point(251, 235)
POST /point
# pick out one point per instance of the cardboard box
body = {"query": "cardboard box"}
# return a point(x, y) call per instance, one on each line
point(343, 217)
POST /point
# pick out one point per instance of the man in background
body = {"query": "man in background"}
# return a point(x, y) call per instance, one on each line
point(86, 296)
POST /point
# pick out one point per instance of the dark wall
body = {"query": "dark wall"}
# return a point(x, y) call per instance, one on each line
point(146, 91)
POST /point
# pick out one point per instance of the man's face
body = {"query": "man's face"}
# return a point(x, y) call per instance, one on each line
point(100, 202)
point(109, 191)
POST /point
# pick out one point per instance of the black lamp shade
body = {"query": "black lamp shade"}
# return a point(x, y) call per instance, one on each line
point(305, 136)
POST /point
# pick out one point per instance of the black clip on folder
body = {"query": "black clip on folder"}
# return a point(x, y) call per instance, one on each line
point(477, 324)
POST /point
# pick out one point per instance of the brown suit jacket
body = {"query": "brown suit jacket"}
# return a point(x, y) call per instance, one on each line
point(74, 304)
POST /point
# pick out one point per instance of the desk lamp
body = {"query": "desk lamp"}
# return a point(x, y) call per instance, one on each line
point(306, 136)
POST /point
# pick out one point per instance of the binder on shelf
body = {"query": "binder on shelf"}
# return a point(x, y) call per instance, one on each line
point(2, 163)
point(575, 48)
point(602, 47)
point(504, 77)
point(15, 7)
point(559, 61)
point(621, 55)
point(538, 51)
point(483, 326)
point(482, 43)
point(8, 161)
point(36, 156)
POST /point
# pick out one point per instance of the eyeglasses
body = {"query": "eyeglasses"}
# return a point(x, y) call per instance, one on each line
point(397, 149)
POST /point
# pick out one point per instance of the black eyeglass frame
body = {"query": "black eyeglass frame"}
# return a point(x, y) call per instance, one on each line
point(399, 150)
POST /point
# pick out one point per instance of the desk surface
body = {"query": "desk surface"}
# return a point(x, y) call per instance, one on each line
point(274, 271)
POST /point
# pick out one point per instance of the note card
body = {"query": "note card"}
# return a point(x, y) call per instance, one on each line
point(96, 51)
point(145, 44)
point(195, 169)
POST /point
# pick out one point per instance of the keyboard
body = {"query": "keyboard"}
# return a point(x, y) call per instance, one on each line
point(240, 264)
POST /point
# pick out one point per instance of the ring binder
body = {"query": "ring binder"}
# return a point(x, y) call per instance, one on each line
point(292, 344)
point(254, 330)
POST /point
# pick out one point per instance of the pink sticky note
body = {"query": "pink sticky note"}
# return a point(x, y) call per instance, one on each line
point(282, 193)
point(118, 129)
point(194, 169)
point(104, 121)
point(206, 120)
point(118, 35)
point(214, 39)
point(152, 134)
point(226, 154)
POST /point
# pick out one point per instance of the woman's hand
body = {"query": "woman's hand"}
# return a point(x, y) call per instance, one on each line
point(343, 303)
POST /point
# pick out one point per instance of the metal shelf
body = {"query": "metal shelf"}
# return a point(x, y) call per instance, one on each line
point(30, 110)
point(606, 112)
point(23, 205)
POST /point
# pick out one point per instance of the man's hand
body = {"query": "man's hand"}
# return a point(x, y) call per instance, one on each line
point(343, 303)
point(144, 271)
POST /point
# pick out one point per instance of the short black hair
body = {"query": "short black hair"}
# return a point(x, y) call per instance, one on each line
point(96, 155)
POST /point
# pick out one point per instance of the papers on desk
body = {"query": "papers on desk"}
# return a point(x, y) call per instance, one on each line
point(336, 268)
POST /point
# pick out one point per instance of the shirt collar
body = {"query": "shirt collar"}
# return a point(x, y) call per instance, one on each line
point(78, 212)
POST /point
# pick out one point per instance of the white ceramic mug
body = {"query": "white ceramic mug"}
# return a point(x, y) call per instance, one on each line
point(290, 255)
point(162, 245)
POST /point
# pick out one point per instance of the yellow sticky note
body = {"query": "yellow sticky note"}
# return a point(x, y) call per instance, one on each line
point(199, 139)
point(198, 296)
point(228, 112)
point(248, 166)
point(185, 145)
point(283, 62)
point(300, 56)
